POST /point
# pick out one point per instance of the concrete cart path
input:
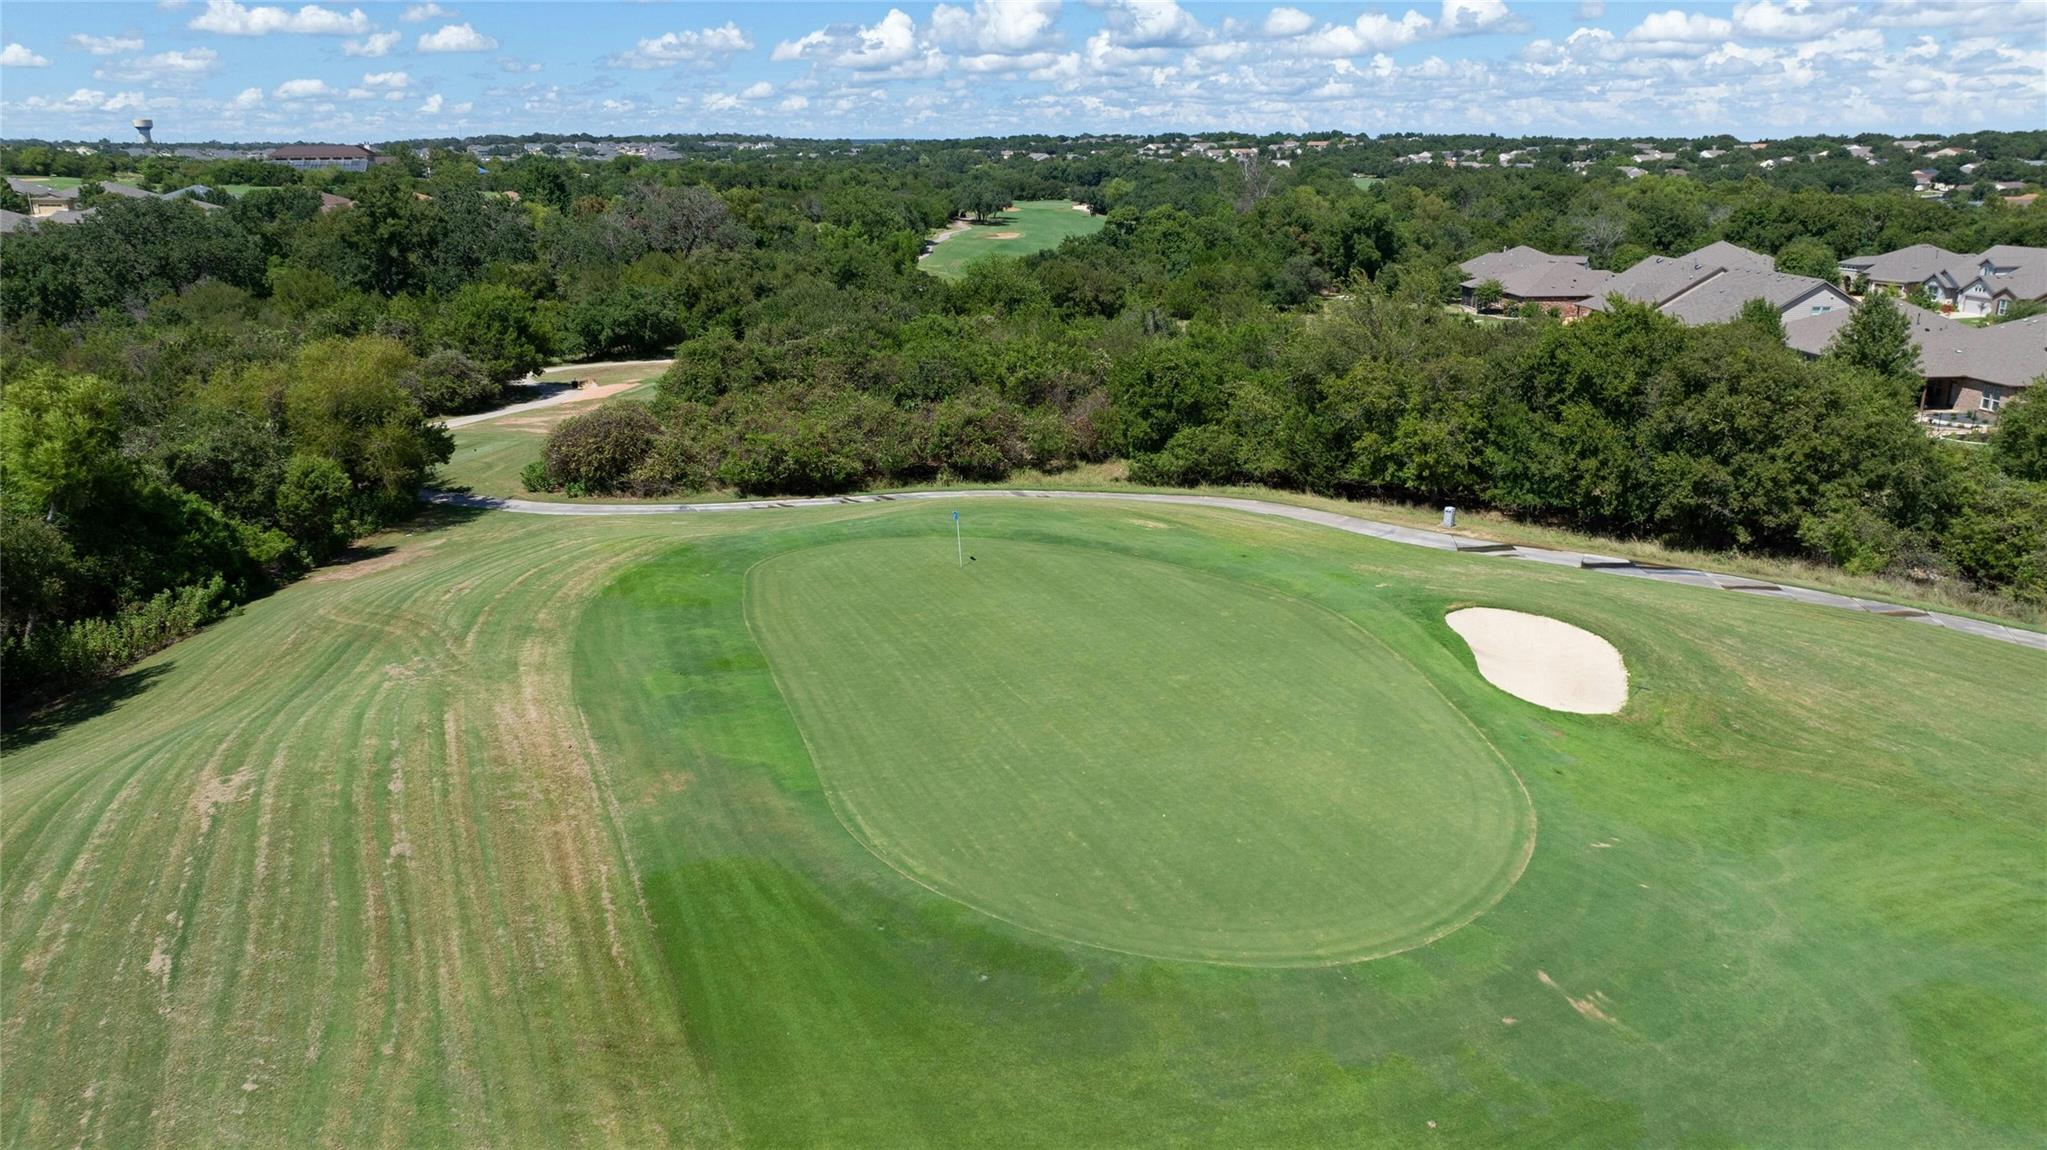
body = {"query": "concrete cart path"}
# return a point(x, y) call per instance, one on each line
point(1412, 536)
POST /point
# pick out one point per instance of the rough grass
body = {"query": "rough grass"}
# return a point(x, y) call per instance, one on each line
point(1037, 225)
point(508, 838)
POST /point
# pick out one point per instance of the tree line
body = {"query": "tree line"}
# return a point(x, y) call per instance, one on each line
point(198, 406)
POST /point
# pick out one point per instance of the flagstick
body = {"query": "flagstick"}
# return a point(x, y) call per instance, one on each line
point(958, 540)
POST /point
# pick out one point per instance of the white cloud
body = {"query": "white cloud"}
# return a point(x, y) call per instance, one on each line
point(386, 80)
point(1790, 20)
point(107, 45)
point(16, 56)
point(432, 105)
point(1375, 32)
point(720, 102)
point(793, 104)
point(303, 90)
point(702, 47)
point(513, 64)
point(1590, 9)
point(428, 11)
point(1282, 22)
point(373, 45)
point(229, 18)
point(998, 27)
point(84, 100)
point(1151, 24)
point(456, 38)
point(176, 66)
point(757, 91)
point(1677, 27)
point(1943, 13)
point(888, 48)
point(245, 100)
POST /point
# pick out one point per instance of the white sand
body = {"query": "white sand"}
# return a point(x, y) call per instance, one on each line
point(1546, 661)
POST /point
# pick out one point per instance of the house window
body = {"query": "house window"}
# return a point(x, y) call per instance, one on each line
point(1821, 309)
point(2003, 306)
point(1990, 401)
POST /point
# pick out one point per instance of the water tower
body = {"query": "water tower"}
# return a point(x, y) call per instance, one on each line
point(142, 128)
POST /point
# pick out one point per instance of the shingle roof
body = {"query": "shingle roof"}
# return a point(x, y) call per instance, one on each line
point(2024, 271)
point(12, 221)
point(1913, 265)
point(1659, 278)
point(33, 189)
point(1733, 257)
point(320, 152)
point(1719, 299)
point(2008, 354)
point(1525, 273)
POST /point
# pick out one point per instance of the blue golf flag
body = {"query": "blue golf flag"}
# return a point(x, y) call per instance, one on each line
point(955, 517)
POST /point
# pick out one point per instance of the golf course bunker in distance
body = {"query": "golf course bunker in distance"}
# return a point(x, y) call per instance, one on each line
point(1137, 755)
point(1546, 661)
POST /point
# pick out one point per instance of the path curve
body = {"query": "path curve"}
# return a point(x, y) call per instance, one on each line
point(552, 393)
point(1394, 533)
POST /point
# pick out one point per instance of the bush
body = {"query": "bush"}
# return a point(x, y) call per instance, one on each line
point(449, 382)
point(534, 477)
point(66, 655)
point(600, 451)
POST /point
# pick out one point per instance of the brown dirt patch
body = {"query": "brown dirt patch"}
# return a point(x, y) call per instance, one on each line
point(1586, 1007)
point(1006, 236)
point(348, 569)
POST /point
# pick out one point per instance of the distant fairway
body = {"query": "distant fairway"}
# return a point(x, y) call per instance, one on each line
point(527, 831)
point(1137, 756)
point(1022, 228)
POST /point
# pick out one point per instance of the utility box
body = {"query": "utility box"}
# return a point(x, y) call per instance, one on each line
point(1449, 517)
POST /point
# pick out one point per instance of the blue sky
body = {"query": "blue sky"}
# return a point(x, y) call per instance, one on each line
point(206, 69)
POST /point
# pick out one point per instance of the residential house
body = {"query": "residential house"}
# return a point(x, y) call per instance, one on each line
point(1710, 285)
point(1990, 282)
point(43, 200)
point(1970, 372)
point(347, 157)
point(1563, 284)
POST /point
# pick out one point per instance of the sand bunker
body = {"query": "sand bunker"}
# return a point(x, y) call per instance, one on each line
point(1546, 661)
point(1006, 236)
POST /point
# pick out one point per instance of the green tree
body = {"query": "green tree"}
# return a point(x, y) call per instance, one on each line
point(1487, 296)
point(60, 440)
point(2019, 441)
point(312, 505)
point(498, 327)
point(1762, 315)
point(1878, 337)
point(1807, 256)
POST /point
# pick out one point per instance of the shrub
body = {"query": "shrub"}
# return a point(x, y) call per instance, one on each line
point(600, 451)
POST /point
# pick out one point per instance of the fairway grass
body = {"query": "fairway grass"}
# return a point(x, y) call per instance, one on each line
point(1137, 756)
point(508, 835)
point(1020, 230)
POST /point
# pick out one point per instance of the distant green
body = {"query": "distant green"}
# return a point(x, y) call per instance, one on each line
point(1037, 224)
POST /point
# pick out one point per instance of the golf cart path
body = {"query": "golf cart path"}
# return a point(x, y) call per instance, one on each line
point(1412, 536)
point(551, 393)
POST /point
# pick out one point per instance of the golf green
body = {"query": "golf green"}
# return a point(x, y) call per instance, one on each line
point(1136, 755)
